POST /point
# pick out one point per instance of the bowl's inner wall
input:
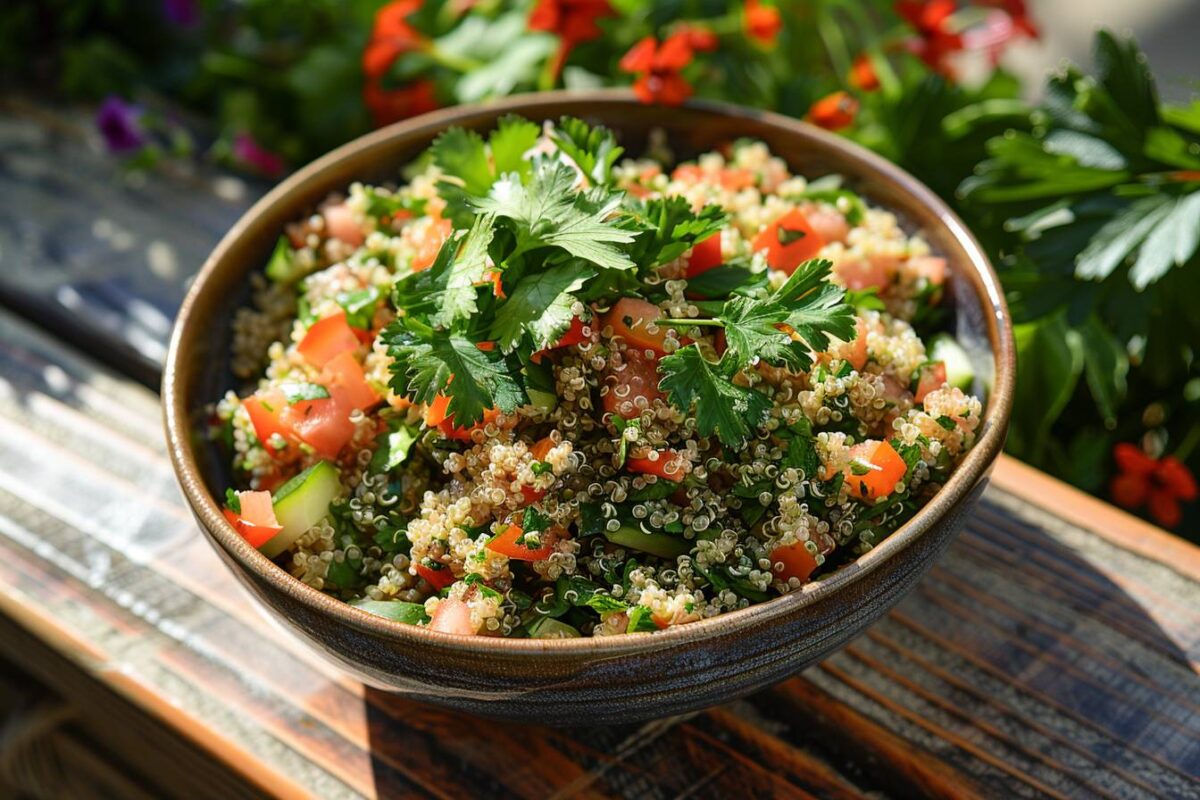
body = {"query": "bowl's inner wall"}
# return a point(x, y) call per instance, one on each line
point(689, 131)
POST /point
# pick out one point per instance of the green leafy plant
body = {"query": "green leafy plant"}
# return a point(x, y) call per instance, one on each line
point(1094, 212)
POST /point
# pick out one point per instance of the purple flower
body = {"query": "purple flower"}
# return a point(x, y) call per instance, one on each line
point(250, 153)
point(184, 13)
point(120, 124)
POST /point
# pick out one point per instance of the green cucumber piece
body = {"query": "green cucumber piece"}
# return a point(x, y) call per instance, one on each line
point(396, 610)
point(656, 544)
point(550, 628)
point(959, 372)
point(301, 503)
point(546, 401)
point(282, 266)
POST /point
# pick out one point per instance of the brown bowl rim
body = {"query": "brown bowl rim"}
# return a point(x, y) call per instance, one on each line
point(970, 472)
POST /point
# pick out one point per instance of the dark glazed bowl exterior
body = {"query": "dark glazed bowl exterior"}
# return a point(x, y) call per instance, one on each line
point(613, 679)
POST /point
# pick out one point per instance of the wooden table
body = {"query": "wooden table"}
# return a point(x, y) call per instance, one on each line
point(1054, 651)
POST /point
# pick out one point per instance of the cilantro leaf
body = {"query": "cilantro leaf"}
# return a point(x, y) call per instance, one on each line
point(360, 306)
point(424, 369)
point(469, 169)
point(393, 447)
point(513, 138)
point(722, 407)
point(593, 150)
point(461, 154)
point(751, 333)
point(816, 308)
point(464, 273)
point(671, 228)
point(381, 204)
point(447, 290)
point(726, 279)
point(786, 327)
point(540, 305)
point(550, 213)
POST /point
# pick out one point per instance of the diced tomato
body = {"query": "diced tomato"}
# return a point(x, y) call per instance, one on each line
point(453, 616)
point(505, 543)
point(640, 376)
point(327, 338)
point(720, 344)
point(830, 225)
point(541, 448)
point(322, 424)
point(736, 178)
point(266, 409)
point(932, 268)
point(573, 336)
point(688, 173)
point(435, 412)
point(930, 378)
point(342, 224)
point(706, 255)
point(437, 578)
point(789, 241)
point(885, 468)
point(669, 465)
point(793, 561)
point(431, 243)
point(629, 319)
point(452, 431)
point(486, 347)
point(343, 377)
point(256, 521)
point(538, 451)
point(493, 276)
point(865, 273)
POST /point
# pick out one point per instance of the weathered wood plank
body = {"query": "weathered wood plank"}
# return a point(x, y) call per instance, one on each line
point(1040, 658)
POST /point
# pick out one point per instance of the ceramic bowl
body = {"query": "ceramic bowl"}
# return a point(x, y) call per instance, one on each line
point(612, 679)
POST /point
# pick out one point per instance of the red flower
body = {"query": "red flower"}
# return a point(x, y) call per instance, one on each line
point(1018, 12)
point(763, 23)
point(1161, 484)
point(936, 41)
point(701, 40)
point(834, 111)
point(391, 37)
point(250, 153)
point(658, 66)
point(573, 20)
point(392, 105)
point(862, 74)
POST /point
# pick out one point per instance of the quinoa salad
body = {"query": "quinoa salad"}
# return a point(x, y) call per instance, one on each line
point(537, 389)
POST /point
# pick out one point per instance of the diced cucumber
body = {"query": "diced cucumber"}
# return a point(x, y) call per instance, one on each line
point(282, 266)
point(959, 372)
point(397, 610)
point(662, 545)
point(546, 401)
point(301, 503)
point(548, 628)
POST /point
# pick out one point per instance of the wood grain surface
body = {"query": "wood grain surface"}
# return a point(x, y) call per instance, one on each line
point(1053, 651)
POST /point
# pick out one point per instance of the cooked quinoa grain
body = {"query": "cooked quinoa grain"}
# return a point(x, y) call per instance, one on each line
point(587, 398)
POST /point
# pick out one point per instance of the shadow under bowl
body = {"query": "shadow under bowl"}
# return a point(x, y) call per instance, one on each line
point(591, 680)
